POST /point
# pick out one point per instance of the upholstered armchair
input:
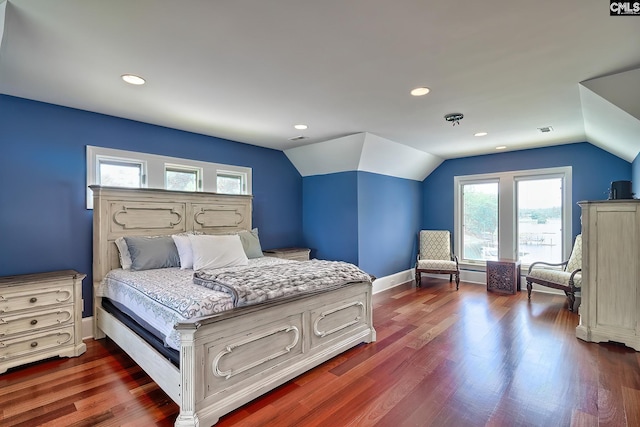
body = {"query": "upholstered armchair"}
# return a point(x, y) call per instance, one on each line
point(435, 256)
point(567, 279)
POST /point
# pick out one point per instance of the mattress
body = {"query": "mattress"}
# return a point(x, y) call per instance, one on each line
point(161, 298)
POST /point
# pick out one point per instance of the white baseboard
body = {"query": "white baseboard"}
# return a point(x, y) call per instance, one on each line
point(87, 327)
point(393, 280)
point(480, 278)
point(472, 276)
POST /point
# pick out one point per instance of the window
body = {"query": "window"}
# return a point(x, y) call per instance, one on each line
point(121, 168)
point(523, 215)
point(182, 178)
point(480, 224)
point(540, 220)
point(229, 183)
point(120, 173)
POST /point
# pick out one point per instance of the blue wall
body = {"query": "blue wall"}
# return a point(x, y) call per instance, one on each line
point(42, 164)
point(368, 219)
point(389, 216)
point(330, 216)
point(593, 170)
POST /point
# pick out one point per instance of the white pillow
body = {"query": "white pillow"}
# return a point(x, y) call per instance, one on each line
point(217, 251)
point(125, 256)
point(184, 250)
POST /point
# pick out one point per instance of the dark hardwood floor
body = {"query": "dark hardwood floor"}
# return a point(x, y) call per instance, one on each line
point(442, 358)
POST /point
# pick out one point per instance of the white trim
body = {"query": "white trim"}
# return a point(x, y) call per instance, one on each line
point(87, 328)
point(154, 169)
point(480, 278)
point(393, 280)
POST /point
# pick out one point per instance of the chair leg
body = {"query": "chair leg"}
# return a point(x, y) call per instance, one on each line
point(457, 280)
point(529, 287)
point(450, 278)
point(418, 279)
point(572, 299)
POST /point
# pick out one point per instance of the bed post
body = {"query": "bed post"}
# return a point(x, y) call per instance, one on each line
point(100, 225)
point(188, 416)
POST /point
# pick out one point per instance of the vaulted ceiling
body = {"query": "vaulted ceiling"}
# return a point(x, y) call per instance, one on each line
point(249, 70)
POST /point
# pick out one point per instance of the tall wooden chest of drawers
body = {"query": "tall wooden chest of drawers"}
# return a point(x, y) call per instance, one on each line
point(40, 317)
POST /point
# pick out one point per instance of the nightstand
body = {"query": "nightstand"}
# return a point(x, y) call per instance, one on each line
point(40, 317)
point(296, 254)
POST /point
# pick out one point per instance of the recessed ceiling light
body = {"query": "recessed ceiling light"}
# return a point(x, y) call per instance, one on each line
point(420, 91)
point(501, 147)
point(481, 134)
point(132, 79)
point(301, 127)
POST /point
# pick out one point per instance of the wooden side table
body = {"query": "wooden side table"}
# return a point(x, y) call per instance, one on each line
point(296, 254)
point(503, 276)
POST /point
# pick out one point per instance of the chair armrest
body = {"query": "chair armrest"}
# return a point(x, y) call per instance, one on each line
point(573, 274)
point(560, 264)
point(454, 258)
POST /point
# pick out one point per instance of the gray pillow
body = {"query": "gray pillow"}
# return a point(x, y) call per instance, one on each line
point(251, 243)
point(152, 252)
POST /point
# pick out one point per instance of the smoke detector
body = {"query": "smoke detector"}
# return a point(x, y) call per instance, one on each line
point(454, 118)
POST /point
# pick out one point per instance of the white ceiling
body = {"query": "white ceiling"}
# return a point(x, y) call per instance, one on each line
point(248, 70)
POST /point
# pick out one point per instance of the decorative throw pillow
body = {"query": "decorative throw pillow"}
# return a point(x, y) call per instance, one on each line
point(251, 243)
point(152, 252)
point(217, 251)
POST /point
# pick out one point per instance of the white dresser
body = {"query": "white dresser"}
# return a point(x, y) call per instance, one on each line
point(610, 307)
point(40, 317)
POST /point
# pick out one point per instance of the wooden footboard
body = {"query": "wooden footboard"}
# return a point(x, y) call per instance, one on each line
point(240, 357)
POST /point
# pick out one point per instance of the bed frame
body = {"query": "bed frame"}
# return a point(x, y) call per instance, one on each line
point(228, 359)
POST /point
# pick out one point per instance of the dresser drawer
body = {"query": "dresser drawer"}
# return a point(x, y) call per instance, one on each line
point(24, 345)
point(35, 320)
point(29, 297)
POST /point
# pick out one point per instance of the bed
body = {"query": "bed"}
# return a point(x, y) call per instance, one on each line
point(226, 359)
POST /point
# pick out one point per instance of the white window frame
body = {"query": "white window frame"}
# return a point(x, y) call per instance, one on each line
point(154, 167)
point(507, 210)
point(174, 167)
point(229, 173)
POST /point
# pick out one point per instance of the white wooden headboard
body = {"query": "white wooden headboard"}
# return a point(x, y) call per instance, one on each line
point(150, 212)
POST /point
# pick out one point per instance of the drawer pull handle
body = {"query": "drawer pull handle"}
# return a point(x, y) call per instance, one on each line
point(34, 344)
point(34, 322)
point(32, 300)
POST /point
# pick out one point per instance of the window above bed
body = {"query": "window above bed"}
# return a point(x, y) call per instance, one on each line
point(120, 168)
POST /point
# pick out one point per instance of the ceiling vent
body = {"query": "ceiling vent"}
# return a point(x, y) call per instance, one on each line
point(297, 138)
point(546, 129)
